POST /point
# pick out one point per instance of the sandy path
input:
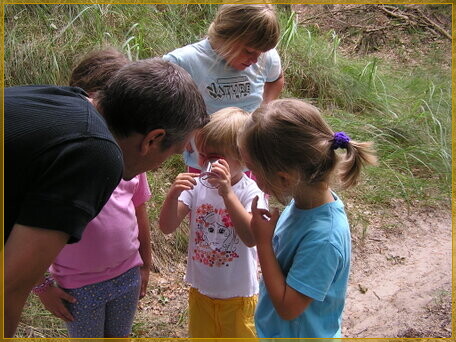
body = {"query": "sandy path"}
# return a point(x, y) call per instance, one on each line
point(405, 271)
point(401, 282)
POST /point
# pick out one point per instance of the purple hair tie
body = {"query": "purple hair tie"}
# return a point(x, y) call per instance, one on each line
point(340, 140)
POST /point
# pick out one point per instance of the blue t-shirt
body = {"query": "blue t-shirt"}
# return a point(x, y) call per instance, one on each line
point(221, 85)
point(313, 248)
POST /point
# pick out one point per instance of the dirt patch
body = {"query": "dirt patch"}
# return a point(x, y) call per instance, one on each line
point(400, 283)
point(163, 311)
point(400, 34)
point(401, 279)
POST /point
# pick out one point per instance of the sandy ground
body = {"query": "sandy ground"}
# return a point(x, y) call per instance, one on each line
point(400, 283)
point(401, 280)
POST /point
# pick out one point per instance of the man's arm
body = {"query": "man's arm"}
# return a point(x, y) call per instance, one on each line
point(28, 253)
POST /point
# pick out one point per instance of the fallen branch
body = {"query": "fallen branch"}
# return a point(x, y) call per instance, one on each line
point(418, 18)
point(435, 25)
point(331, 13)
point(407, 18)
point(394, 14)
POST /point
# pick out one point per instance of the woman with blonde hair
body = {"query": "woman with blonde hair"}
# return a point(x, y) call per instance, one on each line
point(237, 64)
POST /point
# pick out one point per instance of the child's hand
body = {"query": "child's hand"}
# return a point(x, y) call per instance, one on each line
point(184, 181)
point(263, 223)
point(223, 181)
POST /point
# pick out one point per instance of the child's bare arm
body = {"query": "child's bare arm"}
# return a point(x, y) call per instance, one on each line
point(288, 302)
point(144, 246)
point(173, 212)
point(272, 90)
point(240, 218)
point(239, 215)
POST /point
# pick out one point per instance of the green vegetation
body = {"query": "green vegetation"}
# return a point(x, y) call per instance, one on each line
point(405, 110)
point(48, 49)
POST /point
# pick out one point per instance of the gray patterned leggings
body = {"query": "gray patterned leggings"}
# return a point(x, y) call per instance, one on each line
point(105, 309)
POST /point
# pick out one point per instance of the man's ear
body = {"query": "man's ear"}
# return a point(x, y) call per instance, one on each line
point(152, 140)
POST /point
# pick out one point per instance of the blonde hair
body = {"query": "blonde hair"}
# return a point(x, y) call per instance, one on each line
point(291, 136)
point(222, 131)
point(254, 26)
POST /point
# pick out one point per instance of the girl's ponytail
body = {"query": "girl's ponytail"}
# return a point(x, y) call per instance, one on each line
point(291, 136)
point(358, 155)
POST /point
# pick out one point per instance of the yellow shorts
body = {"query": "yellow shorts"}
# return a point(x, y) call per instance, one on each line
point(221, 318)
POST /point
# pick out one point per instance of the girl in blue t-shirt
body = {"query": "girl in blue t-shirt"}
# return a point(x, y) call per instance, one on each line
point(305, 253)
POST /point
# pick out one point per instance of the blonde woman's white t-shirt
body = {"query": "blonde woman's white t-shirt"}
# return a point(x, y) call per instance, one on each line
point(221, 85)
point(219, 264)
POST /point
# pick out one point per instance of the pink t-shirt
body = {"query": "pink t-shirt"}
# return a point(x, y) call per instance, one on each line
point(109, 244)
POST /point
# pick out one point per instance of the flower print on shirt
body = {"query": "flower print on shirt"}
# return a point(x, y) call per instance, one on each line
point(215, 238)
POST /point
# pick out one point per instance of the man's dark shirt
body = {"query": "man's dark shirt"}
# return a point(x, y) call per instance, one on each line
point(61, 161)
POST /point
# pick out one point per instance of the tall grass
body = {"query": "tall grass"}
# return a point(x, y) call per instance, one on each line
point(165, 249)
point(405, 111)
point(44, 53)
point(316, 71)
